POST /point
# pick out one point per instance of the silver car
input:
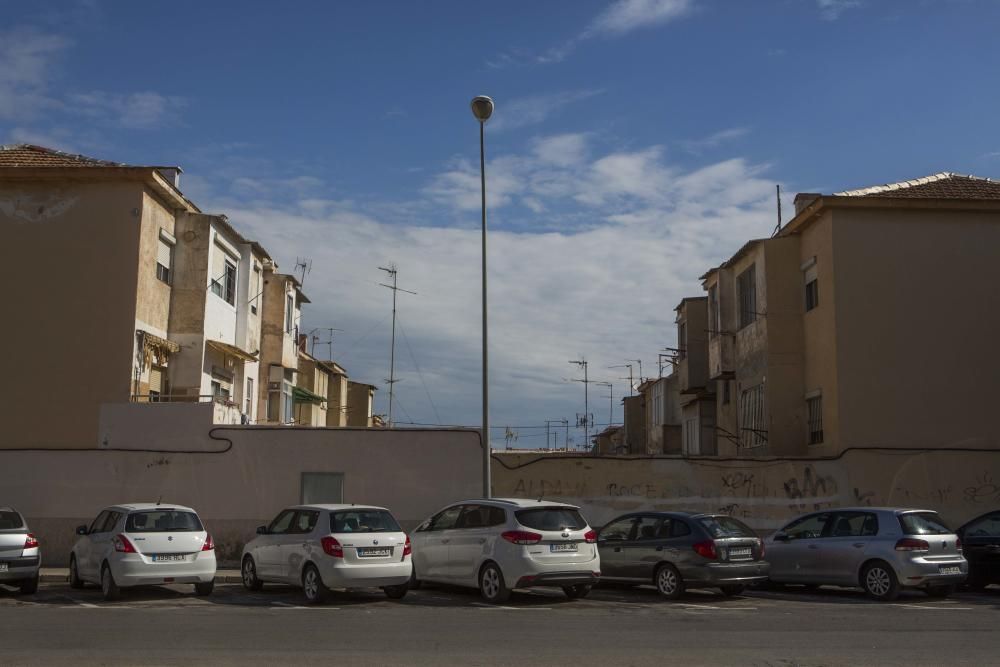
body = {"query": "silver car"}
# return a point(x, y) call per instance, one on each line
point(20, 555)
point(882, 550)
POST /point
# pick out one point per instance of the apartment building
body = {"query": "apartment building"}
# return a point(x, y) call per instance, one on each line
point(311, 393)
point(279, 360)
point(83, 237)
point(360, 399)
point(867, 321)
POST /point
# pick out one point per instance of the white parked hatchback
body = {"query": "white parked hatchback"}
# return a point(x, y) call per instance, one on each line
point(501, 544)
point(319, 547)
point(141, 544)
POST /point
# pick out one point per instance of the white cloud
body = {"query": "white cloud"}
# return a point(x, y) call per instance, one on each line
point(831, 10)
point(561, 150)
point(620, 18)
point(144, 110)
point(605, 289)
point(627, 15)
point(534, 109)
point(26, 56)
point(714, 140)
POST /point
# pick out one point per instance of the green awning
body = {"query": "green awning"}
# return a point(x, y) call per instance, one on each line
point(300, 395)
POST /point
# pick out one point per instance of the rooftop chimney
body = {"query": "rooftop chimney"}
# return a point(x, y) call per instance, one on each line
point(172, 174)
point(803, 199)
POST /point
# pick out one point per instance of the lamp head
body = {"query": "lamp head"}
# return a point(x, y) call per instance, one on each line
point(482, 108)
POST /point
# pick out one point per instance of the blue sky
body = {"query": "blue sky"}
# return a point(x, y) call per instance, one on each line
point(635, 144)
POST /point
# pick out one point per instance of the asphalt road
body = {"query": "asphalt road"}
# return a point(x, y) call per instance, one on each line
point(434, 626)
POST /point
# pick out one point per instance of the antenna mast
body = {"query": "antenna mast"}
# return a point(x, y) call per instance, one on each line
point(305, 264)
point(392, 350)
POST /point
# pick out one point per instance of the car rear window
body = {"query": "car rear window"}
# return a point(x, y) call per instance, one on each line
point(10, 520)
point(923, 523)
point(363, 521)
point(551, 518)
point(162, 521)
point(726, 526)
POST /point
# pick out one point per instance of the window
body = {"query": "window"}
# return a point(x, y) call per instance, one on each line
point(815, 408)
point(255, 289)
point(162, 521)
point(808, 527)
point(164, 253)
point(286, 397)
point(289, 313)
point(646, 527)
point(322, 487)
point(156, 382)
point(746, 286)
point(854, 524)
point(363, 521)
point(987, 526)
point(923, 523)
point(249, 397)
point(681, 340)
point(812, 295)
point(753, 432)
point(111, 522)
point(445, 519)
point(481, 516)
point(714, 321)
point(678, 528)
point(98, 523)
point(219, 390)
point(726, 526)
point(551, 518)
point(304, 522)
point(224, 276)
point(619, 530)
point(10, 520)
point(657, 400)
point(282, 523)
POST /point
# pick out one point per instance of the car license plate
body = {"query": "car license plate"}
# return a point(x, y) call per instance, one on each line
point(3, 567)
point(562, 547)
point(167, 558)
point(951, 570)
point(374, 553)
point(740, 553)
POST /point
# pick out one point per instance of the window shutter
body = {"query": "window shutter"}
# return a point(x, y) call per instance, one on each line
point(156, 380)
point(218, 265)
point(163, 254)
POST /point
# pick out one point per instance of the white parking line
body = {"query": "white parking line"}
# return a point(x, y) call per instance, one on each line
point(483, 605)
point(924, 606)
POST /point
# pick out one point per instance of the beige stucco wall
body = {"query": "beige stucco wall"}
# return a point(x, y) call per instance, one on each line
point(336, 412)
point(765, 493)
point(240, 477)
point(360, 397)
point(917, 323)
point(76, 243)
point(153, 295)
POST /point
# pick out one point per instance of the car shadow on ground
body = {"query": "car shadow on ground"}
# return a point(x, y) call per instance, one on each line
point(839, 595)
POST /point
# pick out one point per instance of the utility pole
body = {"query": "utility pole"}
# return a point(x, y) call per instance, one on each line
point(586, 400)
point(631, 384)
point(392, 350)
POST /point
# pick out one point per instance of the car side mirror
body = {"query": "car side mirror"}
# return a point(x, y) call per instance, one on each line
point(781, 537)
point(81, 530)
point(262, 530)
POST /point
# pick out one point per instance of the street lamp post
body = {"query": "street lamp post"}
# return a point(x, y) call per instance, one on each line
point(482, 109)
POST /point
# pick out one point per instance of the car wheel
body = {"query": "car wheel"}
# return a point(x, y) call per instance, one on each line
point(668, 582)
point(879, 581)
point(29, 586)
point(577, 591)
point(491, 584)
point(108, 585)
point(74, 575)
point(313, 586)
point(248, 573)
point(396, 592)
point(204, 587)
point(732, 591)
point(939, 591)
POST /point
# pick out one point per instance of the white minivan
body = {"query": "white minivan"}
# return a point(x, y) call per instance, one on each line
point(319, 547)
point(141, 544)
point(501, 544)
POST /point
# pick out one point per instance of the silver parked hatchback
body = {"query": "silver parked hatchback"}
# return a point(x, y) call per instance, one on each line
point(20, 556)
point(879, 549)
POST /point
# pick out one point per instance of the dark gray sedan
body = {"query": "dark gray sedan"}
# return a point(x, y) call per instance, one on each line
point(676, 550)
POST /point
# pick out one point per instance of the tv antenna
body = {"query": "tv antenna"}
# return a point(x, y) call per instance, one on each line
point(391, 381)
point(305, 265)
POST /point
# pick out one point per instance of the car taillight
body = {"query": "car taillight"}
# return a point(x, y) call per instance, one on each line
point(590, 536)
point(123, 545)
point(331, 547)
point(958, 544)
point(521, 537)
point(30, 542)
point(760, 544)
point(911, 544)
point(407, 549)
point(209, 545)
point(706, 549)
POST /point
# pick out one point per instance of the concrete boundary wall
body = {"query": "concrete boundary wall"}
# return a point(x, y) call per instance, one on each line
point(239, 477)
point(764, 493)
